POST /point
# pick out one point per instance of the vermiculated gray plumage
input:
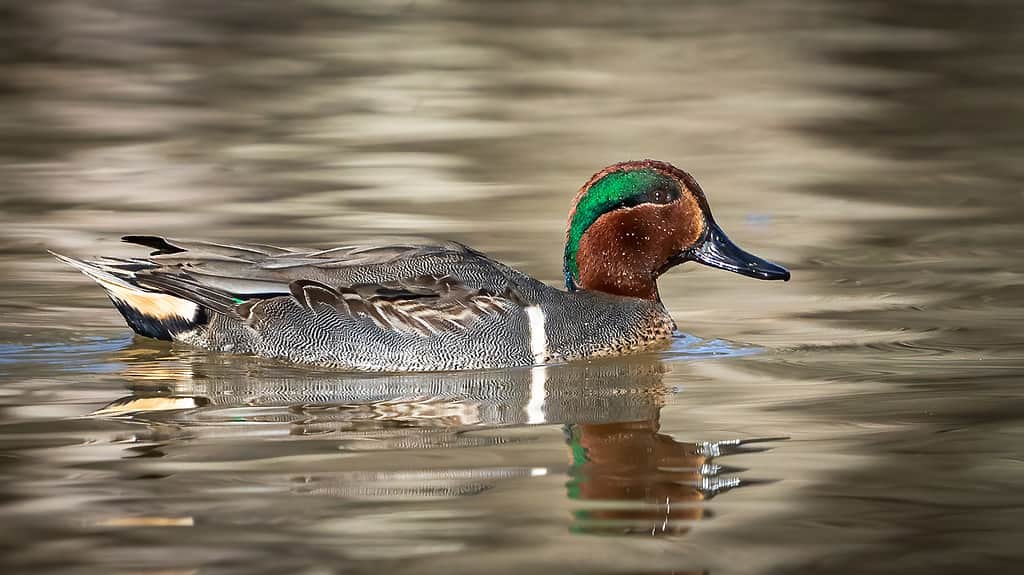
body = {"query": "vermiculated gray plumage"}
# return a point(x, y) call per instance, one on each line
point(412, 307)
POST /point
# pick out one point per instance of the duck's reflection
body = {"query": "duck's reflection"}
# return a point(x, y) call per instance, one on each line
point(624, 475)
point(664, 480)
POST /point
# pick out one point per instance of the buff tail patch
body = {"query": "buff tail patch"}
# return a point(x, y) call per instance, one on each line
point(148, 313)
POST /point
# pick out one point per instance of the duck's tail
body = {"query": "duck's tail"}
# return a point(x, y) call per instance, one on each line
point(149, 313)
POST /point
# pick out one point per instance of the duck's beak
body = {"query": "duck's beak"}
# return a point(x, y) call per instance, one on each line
point(715, 249)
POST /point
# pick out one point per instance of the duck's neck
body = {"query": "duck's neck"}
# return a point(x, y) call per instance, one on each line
point(621, 255)
point(618, 277)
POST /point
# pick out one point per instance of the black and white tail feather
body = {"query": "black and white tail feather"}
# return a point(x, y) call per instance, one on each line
point(149, 312)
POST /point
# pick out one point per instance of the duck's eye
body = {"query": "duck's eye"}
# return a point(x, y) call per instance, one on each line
point(662, 196)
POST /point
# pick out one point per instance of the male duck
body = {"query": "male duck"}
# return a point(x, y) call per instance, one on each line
point(436, 307)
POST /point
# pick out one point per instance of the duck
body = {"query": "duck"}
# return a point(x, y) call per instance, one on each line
point(435, 306)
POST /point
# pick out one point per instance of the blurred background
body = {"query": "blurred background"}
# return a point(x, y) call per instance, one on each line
point(864, 417)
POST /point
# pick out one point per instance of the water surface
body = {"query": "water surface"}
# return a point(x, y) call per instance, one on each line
point(864, 417)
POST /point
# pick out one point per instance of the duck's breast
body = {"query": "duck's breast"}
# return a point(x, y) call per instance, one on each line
point(585, 324)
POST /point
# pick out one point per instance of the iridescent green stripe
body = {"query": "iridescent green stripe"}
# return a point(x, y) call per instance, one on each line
point(604, 195)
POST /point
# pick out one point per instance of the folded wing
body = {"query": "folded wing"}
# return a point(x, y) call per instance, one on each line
point(415, 288)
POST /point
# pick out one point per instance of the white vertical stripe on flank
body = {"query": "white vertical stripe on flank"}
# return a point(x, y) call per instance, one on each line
point(538, 337)
point(538, 375)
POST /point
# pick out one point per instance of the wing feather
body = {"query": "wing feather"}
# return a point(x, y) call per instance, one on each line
point(422, 306)
point(407, 287)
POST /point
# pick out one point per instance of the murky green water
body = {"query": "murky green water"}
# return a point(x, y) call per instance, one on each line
point(865, 417)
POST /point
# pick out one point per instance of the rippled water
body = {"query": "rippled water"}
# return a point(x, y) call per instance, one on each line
point(864, 417)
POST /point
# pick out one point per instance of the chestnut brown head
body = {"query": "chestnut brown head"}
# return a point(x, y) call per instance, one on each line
point(633, 221)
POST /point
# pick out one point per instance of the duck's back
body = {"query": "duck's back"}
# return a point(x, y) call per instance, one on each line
point(414, 307)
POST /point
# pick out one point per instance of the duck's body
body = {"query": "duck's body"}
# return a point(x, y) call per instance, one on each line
point(432, 307)
point(379, 308)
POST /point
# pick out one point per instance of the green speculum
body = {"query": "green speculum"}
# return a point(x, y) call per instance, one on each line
point(614, 191)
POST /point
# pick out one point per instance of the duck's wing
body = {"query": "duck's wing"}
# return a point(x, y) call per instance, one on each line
point(415, 288)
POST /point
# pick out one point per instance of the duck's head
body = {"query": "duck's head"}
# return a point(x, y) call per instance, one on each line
point(633, 221)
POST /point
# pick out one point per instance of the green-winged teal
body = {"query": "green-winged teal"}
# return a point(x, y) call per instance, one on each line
point(436, 306)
